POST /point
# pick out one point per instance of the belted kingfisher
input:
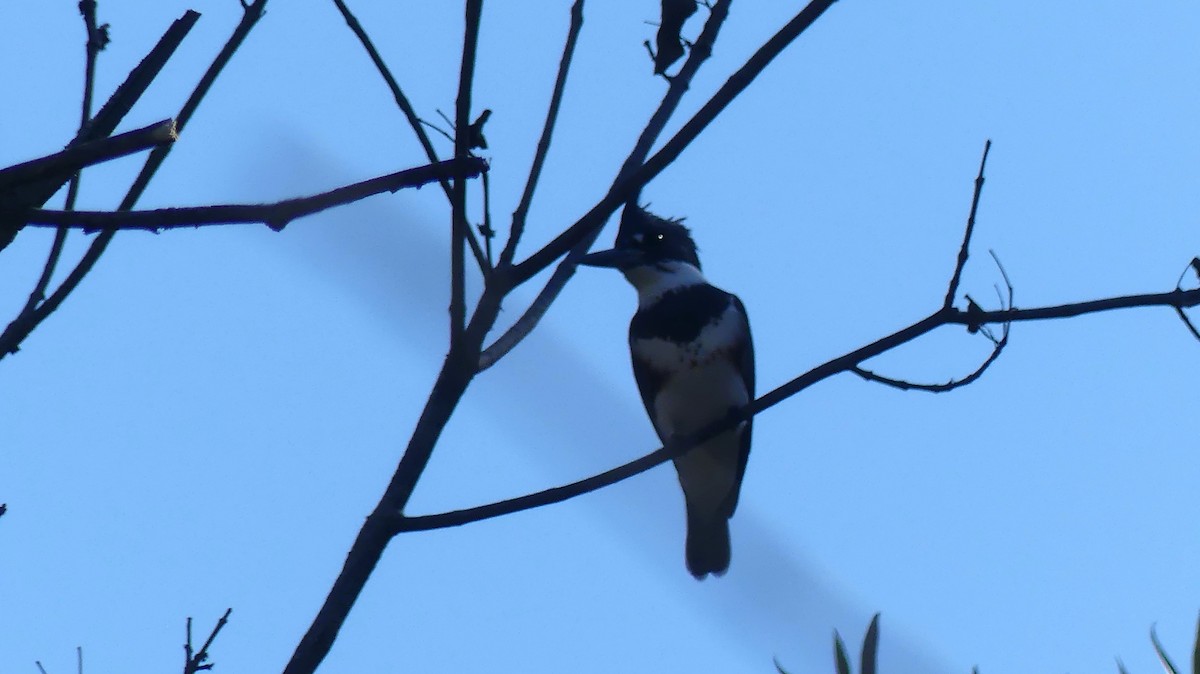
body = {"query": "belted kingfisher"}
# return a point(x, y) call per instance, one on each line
point(693, 360)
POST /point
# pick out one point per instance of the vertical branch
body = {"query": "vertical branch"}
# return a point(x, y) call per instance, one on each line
point(97, 39)
point(543, 146)
point(462, 146)
point(966, 244)
point(701, 50)
point(409, 113)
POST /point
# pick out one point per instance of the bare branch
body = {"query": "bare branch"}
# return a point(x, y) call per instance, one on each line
point(966, 244)
point(103, 124)
point(197, 661)
point(97, 39)
point(616, 195)
point(276, 216)
point(459, 229)
point(1187, 322)
point(543, 147)
point(675, 146)
point(76, 157)
point(845, 363)
point(406, 107)
point(937, 388)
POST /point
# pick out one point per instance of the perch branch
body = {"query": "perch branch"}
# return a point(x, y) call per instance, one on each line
point(276, 215)
point(844, 363)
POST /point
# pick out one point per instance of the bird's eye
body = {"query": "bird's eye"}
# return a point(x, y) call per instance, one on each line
point(660, 237)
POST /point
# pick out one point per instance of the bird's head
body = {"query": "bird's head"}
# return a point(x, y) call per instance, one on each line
point(655, 254)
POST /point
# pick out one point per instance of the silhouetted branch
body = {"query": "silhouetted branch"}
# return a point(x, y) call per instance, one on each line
point(543, 147)
point(33, 195)
point(76, 157)
point(966, 244)
point(936, 388)
point(276, 216)
point(197, 661)
point(463, 143)
point(1187, 322)
point(654, 127)
point(409, 112)
point(97, 40)
point(844, 363)
point(102, 124)
point(674, 147)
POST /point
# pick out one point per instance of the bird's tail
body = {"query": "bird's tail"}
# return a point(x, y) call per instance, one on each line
point(707, 545)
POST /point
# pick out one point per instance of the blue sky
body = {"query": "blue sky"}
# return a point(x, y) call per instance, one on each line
point(208, 419)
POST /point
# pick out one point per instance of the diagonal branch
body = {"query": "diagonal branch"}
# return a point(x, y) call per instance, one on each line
point(543, 146)
point(18, 330)
point(276, 216)
point(734, 86)
point(406, 107)
point(616, 195)
point(97, 40)
point(198, 660)
point(577, 238)
point(78, 156)
point(844, 363)
point(103, 124)
point(966, 244)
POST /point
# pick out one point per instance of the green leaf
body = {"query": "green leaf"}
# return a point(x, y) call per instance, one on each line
point(870, 646)
point(839, 652)
point(1162, 655)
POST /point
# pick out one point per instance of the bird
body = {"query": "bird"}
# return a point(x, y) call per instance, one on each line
point(693, 360)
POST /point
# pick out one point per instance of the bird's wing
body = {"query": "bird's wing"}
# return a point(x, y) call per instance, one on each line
point(743, 355)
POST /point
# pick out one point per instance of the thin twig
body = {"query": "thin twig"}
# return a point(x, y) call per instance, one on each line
point(998, 344)
point(485, 230)
point(950, 385)
point(966, 244)
point(97, 39)
point(844, 363)
point(276, 216)
point(1194, 266)
point(654, 127)
point(406, 107)
point(671, 150)
point(76, 157)
point(197, 661)
point(543, 147)
point(462, 147)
